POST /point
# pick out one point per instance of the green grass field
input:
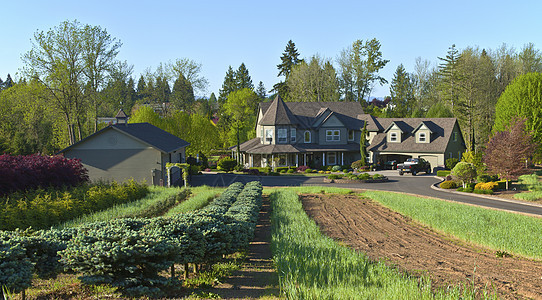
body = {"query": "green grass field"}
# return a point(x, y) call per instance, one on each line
point(498, 230)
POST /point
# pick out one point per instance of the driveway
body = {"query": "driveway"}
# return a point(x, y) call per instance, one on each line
point(420, 185)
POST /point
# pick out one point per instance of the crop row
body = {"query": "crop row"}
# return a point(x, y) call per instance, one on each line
point(43, 208)
point(130, 254)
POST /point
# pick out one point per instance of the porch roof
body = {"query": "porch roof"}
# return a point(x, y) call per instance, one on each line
point(254, 146)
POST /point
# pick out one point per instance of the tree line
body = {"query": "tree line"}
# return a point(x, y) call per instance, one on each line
point(72, 77)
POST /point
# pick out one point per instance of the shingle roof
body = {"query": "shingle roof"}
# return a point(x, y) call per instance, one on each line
point(278, 114)
point(305, 112)
point(441, 128)
point(146, 133)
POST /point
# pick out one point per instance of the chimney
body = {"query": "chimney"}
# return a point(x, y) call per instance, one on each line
point(121, 117)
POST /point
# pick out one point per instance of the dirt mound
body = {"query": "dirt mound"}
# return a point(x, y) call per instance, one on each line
point(383, 234)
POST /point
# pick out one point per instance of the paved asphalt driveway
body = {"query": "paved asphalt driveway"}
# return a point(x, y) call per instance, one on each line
point(419, 185)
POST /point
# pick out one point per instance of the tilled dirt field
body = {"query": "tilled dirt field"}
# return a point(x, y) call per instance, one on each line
point(385, 235)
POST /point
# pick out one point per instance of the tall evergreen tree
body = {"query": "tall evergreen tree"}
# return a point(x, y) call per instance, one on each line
point(449, 76)
point(242, 78)
point(9, 82)
point(182, 96)
point(289, 59)
point(140, 90)
point(402, 93)
point(228, 86)
point(261, 91)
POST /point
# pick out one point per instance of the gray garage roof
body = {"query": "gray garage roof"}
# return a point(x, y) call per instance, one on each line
point(145, 133)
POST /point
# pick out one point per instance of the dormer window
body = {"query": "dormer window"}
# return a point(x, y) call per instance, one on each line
point(393, 137)
point(421, 137)
point(307, 136)
point(282, 135)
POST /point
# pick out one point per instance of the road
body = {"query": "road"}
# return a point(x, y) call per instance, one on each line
point(419, 185)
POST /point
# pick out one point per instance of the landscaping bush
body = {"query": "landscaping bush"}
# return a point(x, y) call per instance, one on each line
point(290, 171)
point(364, 176)
point(443, 173)
point(378, 176)
point(358, 164)
point(530, 182)
point(482, 191)
point(466, 190)
point(308, 170)
point(19, 173)
point(448, 184)
point(336, 168)
point(491, 186)
point(303, 169)
point(450, 163)
point(335, 176)
point(281, 169)
point(227, 164)
point(261, 169)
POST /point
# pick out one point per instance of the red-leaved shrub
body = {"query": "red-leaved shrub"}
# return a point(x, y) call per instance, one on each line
point(25, 172)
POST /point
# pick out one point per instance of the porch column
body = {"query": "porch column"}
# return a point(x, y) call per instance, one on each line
point(305, 159)
point(342, 158)
point(296, 160)
point(251, 160)
point(273, 161)
point(323, 159)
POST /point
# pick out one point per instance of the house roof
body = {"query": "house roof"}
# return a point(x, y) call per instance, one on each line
point(441, 130)
point(145, 133)
point(278, 114)
point(349, 113)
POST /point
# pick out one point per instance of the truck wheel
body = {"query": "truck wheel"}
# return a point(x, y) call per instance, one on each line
point(401, 173)
point(413, 172)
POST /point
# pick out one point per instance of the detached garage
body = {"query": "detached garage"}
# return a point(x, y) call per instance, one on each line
point(123, 151)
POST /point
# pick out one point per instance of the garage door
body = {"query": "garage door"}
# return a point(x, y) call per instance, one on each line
point(432, 159)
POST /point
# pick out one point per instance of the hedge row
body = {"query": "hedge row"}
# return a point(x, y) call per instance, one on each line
point(130, 253)
point(18, 173)
point(43, 208)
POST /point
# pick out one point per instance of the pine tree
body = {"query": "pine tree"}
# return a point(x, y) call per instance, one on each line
point(289, 58)
point(140, 91)
point(9, 82)
point(261, 91)
point(228, 86)
point(363, 144)
point(449, 75)
point(402, 93)
point(213, 103)
point(182, 96)
point(242, 78)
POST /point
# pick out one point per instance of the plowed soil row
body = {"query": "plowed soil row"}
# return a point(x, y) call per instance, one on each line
point(386, 235)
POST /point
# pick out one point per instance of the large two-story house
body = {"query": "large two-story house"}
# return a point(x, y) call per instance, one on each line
point(319, 134)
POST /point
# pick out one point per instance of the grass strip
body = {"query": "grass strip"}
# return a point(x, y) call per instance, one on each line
point(155, 195)
point(498, 230)
point(200, 197)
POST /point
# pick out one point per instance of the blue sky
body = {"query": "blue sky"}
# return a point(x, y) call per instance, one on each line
point(218, 34)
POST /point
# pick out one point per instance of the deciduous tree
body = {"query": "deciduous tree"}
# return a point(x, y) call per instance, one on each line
point(313, 81)
point(507, 151)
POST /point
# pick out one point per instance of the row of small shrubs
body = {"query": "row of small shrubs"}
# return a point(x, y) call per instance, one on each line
point(131, 254)
point(362, 176)
point(23, 172)
point(43, 208)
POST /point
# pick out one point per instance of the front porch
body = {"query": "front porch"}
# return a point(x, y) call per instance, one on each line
point(310, 159)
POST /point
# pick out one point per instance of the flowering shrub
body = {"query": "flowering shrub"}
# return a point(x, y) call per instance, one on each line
point(22, 172)
point(302, 168)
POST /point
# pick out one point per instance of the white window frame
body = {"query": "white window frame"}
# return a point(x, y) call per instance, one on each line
point(393, 137)
point(282, 135)
point(293, 135)
point(333, 135)
point(329, 157)
point(455, 136)
point(351, 135)
point(269, 136)
point(305, 137)
point(422, 137)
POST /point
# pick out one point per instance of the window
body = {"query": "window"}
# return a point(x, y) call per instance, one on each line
point(393, 136)
point(333, 135)
point(350, 135)
point(455, 136)
point(292, 135)
point(332, 158)
point(269, 135)
point(421, 137)
point(307, 136)
point(282, 159)
point(282, 135)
